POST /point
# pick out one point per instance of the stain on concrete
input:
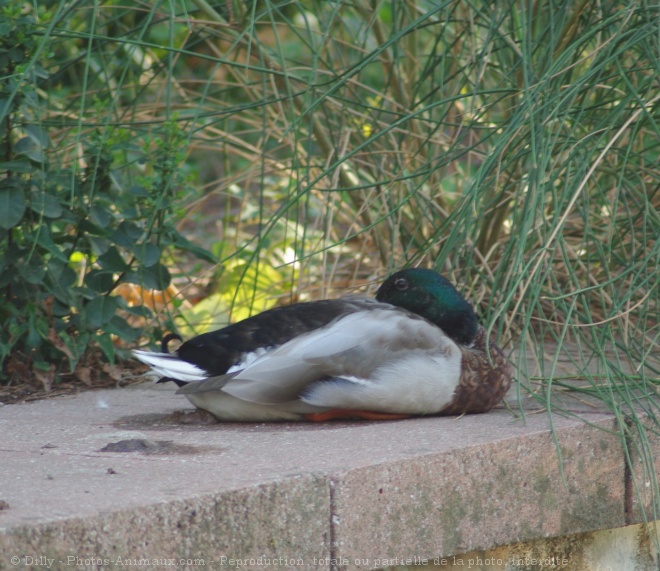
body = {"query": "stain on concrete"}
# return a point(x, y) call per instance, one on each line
point(156, 447)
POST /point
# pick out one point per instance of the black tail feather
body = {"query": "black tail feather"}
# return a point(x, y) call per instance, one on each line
point(166, 341)
point(176, 381)
point(164, 348)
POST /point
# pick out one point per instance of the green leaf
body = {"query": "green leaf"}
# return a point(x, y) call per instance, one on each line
point(60, 278)
point(127, 235)
point(119, 327)
point(82, 341)
point(76, 344)
point(100, 280)
point(184, 244)
point(99, 245)
point(12, 206)
point(46, 242)
point(7, 276)
point(30, 148)
point(40, 71)
point(17, 166)
point(38, 134)
point(60, 310)
point(46, 204)
point(100, 215)
point(33, 339)
point(112, 261)
point(139, 191)
point(14, 253)
point(16, 54)
point(155, 277)
point(12, 331)
point(104, 341)
point(70, 345)
point(32, 273)
point(88, 227)
point(86, 293)
point(158, 277)
point(147, 254)
point(99, 311)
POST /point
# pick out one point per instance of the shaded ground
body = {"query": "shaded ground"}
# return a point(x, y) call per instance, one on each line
point(26, 386)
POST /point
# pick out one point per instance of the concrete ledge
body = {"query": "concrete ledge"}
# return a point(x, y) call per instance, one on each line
point(290, 496)
point(505, 491)
point(629, 548)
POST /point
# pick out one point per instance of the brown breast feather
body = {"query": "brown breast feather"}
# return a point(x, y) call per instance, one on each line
point(484, 380)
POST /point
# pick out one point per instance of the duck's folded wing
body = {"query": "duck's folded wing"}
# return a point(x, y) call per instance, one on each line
point(282, 373)
point(209, 385)
point(353, 346)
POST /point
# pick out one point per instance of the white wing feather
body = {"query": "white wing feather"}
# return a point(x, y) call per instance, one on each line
point(169, 365)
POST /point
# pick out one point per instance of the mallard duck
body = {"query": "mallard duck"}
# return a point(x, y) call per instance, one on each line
point(417, 349)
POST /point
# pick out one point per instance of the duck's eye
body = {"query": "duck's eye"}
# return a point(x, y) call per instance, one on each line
point(401, 284)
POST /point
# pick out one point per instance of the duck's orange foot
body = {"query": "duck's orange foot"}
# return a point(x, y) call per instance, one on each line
point(339, 413)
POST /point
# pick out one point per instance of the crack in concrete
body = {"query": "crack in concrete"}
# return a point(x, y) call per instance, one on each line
point(333, 532)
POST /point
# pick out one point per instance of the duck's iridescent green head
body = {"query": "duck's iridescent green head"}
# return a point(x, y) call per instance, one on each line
point(428, 294)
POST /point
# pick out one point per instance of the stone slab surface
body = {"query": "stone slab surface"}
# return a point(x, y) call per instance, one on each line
point(291, 495)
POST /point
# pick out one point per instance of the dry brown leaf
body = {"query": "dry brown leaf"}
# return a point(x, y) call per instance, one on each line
point(113, 371)
point(59, 344)
point(47, 378)
point(84, 374)
point(18, 367)
point(48, 307)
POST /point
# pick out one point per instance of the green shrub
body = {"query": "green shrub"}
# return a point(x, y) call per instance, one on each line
point(84, 208)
